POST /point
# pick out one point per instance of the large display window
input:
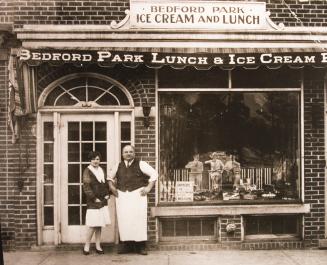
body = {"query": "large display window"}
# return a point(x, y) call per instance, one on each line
point(224, 146)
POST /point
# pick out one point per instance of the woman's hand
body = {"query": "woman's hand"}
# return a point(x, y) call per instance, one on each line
point(107, 197)
point(97, 200)
point(114, 192)
point(113, 189)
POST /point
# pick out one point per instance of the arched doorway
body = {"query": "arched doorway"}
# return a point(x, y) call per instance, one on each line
point(77, 113)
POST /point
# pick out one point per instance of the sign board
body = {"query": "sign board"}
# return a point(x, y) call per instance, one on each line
point(165, 14)
point(184, 191)
point(176, 60)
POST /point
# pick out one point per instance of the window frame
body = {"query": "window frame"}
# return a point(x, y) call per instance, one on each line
point(230, 89)
point(271, 236)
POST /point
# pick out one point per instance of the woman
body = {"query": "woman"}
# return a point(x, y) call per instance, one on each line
point(96, 190)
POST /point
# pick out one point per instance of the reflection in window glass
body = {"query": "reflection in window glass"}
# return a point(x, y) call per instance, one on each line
point(100, 131)
point(48, 152)
point(87, 131)
point(86, 149)
point(48, 131)
point(73, 215)
point(229, 146)
point(48, 195)
point(125, 131)
point(48, 173)
point(48, 215)
point(73, 152)
point(73, 194)
point(73, 131)
point(192, 78)
point(73, 173)
point(102, 148)
point(266, 78)
point(86, 89)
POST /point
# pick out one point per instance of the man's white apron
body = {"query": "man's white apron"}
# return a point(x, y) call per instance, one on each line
point(131, 210)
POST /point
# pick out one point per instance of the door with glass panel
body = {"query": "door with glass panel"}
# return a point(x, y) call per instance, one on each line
point(81, 134)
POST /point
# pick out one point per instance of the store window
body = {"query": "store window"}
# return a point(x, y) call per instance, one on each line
point(226, 146)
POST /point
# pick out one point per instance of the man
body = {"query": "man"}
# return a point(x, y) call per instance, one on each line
point(130, 181)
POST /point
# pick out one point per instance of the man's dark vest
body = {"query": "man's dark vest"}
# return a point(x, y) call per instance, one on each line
point(131, 178)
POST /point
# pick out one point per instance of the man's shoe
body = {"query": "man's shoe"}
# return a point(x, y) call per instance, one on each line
point(142, 251)
point(123, 249)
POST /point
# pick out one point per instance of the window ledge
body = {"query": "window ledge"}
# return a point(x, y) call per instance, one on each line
point(167, 211)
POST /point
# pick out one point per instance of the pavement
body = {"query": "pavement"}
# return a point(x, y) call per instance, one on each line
point(216, 257)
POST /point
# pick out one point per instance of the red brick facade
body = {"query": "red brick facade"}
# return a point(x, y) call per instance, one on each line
point(18, 161)
point(73, 12)
point(314, 156)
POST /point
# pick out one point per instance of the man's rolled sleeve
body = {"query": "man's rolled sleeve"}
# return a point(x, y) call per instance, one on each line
point(149, 171)
point(112, 173)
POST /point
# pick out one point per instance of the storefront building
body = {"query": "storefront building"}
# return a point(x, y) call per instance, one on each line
point(223, 98)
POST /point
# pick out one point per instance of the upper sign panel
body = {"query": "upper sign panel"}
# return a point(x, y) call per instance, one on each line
point(147, 14)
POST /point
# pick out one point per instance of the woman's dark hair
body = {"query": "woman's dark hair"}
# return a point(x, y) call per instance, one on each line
point(93, 154)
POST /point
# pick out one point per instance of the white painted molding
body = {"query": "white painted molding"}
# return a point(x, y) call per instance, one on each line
point(197, 210)
point(122, 24)
point(272, 24)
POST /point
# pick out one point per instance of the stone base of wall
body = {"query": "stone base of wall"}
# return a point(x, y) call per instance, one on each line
point(322, 243)
point(257, 245)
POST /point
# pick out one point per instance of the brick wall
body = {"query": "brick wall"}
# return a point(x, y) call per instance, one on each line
point(18, 209)
point(230, 237)
point(7, 8)
point(6, 205)
point(310, 13)
point(68, 12)
point(314, 156)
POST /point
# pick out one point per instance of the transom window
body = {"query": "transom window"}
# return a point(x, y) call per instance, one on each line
point(87, 90)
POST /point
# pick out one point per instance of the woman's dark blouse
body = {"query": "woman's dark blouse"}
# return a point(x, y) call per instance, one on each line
point(94, 189)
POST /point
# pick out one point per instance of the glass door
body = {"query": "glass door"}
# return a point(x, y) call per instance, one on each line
point(81, 134)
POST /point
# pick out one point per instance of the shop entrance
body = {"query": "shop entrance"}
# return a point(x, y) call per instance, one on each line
point(80, 135)
point(78, 113)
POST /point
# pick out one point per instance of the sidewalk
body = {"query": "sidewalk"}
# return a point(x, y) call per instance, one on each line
point(218, 257)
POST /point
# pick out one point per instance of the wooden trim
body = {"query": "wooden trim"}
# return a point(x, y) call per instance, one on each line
point(176, 211)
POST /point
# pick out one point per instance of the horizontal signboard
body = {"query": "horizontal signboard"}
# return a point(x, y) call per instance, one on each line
point(197, 15)
point(157, 59)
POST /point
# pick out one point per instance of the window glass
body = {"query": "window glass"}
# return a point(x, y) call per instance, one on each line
point(86, 89)
point(263, 77)
point(183, 228)
point(229, 146)
point(192, 78)
point(273, 225)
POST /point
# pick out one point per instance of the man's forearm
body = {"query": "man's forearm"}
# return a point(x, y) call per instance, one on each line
point(151, 185)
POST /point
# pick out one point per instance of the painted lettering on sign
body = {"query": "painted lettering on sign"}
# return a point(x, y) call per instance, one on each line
point(176, 59)
point(184, 191)
point(197, 14)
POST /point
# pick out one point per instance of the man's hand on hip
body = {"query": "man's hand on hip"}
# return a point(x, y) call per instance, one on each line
point(145, 191)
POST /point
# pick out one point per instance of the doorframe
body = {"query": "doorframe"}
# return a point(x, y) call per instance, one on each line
point(54, 115)
point(325, 131)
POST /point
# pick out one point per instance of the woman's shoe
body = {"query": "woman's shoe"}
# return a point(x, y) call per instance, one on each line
point(99, 251)
point(86, 252)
